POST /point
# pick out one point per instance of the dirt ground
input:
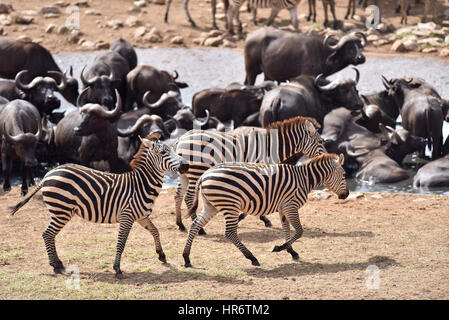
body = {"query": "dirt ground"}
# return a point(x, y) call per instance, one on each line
point(95, 29)
point(376, 246)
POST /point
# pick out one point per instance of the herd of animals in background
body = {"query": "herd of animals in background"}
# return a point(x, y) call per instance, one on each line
point(232, 10)
point(110, 173)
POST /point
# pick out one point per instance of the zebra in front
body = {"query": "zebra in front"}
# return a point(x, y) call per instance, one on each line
point(275, 5)
point(261, 189)
point(103, 197)
point(279, 142)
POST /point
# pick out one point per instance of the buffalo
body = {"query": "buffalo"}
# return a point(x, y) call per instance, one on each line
point(126, 50)
point(19, 55)
point(434, 174)
point(282, 55)
point(309, 96)
point(143, 79)
point(106, 73)
point(20, 127)
point(226, 105)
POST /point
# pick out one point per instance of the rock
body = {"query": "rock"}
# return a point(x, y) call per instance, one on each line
point(398, 46)
point(140, 3)
point(2, 31)
point(29, 12)
point(229, 44)
point(213, 42)
point(63, 29)
point(428, 26)
point(348, 26)
point(422, 33)
point(429, 50)
point(156, 32)
point(62, 4)
point(382, 28)
point(5, 20)
point(199, 41)
point(356, 195)
point(134, 10)
point(82, 4)
point(74, 36)
point(88, 45)
point(444, 52)
point(140, 32)
point(38, 40)
point(24, 38)
point(114, 24)
point(390, 37)
point(19, 19)
point(51, 15)
point(320, 195)
point(359, 18)
point(5, 8)
point(435, 42)
point(101, 45)
point(373, 37)
point(214, 33)
point(376, 196)
point(446, 40)
point(404, 30)
point(50, 9)
point(50, 28)
point(177, 40)
point(381, 42)
point(132, 21)
point(410, 45)
point(372, 31)
point(159, 2)
point(92, 12)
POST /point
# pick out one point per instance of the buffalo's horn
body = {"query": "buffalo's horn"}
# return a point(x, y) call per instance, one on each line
point(332, 85)
point(386, 83)
point(357, 75)
point(79, 101)
point(199, 123)
point(177, 123)
point(326, 42)
point(62, 85)
point(363, 40)
point(141, 121)
point(175, 75)
point(39, 130)
point(162, 99)
point(84, 80)
point(102, 112)
point(20, 84)
point(9, 138)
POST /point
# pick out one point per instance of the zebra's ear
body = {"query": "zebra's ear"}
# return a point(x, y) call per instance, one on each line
point(310, 127)
point(341, 159)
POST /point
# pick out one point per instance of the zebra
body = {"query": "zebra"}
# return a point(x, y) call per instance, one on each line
point(275, 5)
point(279, 142)
point(103, 197)
point(261, 189)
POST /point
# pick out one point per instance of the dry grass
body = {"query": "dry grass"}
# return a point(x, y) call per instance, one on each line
point(405, 236)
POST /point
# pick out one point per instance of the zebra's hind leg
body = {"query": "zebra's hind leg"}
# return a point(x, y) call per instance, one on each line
point(148, 224)
point(293, 219)
point(179, 195)
point(286, 229)
point(185, 4)
point(203, 218)
point(58, 220)
point(191, 200)
point(126, 223)
point(231, 218)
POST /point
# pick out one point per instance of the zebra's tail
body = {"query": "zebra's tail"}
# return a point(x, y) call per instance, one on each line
point(24, 201)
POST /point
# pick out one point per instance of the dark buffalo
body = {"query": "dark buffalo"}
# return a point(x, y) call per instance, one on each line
point(185, 120)
point(309, 97)
point(9, 90)
point(283, 55)
point(226, 105)
point(421, 111)
point(90, 134)
point(19, 55)
point(130, 136)
point(20, 129)
point(145, 78)
point(126, 50)
point(434, 174)
point(106, 73)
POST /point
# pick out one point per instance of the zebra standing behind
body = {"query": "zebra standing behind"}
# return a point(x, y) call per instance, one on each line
point(277, 143)
point(103, 197)
point(261, 189)
point(275, 5)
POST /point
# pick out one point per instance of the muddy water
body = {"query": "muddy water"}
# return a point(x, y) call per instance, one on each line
point(219, 67)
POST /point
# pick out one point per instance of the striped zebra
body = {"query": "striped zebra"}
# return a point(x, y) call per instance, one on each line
point(275, 5)
point(277, 143)
point(103, 197)
point(261, 189)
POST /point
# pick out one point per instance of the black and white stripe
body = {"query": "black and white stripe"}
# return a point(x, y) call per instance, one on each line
point(275, 5)
point(103, 197)
point(261, 189)
point(205, 149)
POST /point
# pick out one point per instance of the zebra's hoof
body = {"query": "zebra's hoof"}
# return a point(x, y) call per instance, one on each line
point(119, 276)
point(242, 216)
point(181, 227)
point(295, 257)
point(275, 249)
point(268, 224)
point(202, 232)
point(255, 263)
point(59, 270)
point(188, 265)
point(24, 192)
point(162, 258)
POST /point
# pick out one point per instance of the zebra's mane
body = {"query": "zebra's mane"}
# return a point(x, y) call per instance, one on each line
point(142, 152)
point(323, 157)
point(286, 124)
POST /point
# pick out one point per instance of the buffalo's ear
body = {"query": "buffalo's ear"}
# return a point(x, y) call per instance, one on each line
point(181, 85)
point(355, 113)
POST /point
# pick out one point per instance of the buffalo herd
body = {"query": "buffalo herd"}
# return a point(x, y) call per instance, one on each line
point(120, 101)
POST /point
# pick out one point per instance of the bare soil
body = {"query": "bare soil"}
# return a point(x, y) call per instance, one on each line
point(94, 27)
point(399, 239)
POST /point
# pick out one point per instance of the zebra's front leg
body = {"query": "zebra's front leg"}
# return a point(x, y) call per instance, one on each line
point(126, 223)
point(286, 229)
point(232, 219)
point(185, 4)
point(179, 195)
point(293, 218)
point(58, 221)
point(294, 18)
point(213, 4)
point(254, 15)
point(273, 15)
point(204, 217)
point(148, 224)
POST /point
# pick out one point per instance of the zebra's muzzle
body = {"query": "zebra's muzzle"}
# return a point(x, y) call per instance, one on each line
point(343, 195)
point(183, 167)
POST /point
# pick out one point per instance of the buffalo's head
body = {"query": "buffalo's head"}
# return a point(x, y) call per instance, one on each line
point(41, 90)
point(24, 145)
point(347, 50)
point(101, 89)
point(340, 92)
point(146, 125)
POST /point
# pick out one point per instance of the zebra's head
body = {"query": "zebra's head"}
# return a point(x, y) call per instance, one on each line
point(311, 143)
point(164, 157)
point(335, 180)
